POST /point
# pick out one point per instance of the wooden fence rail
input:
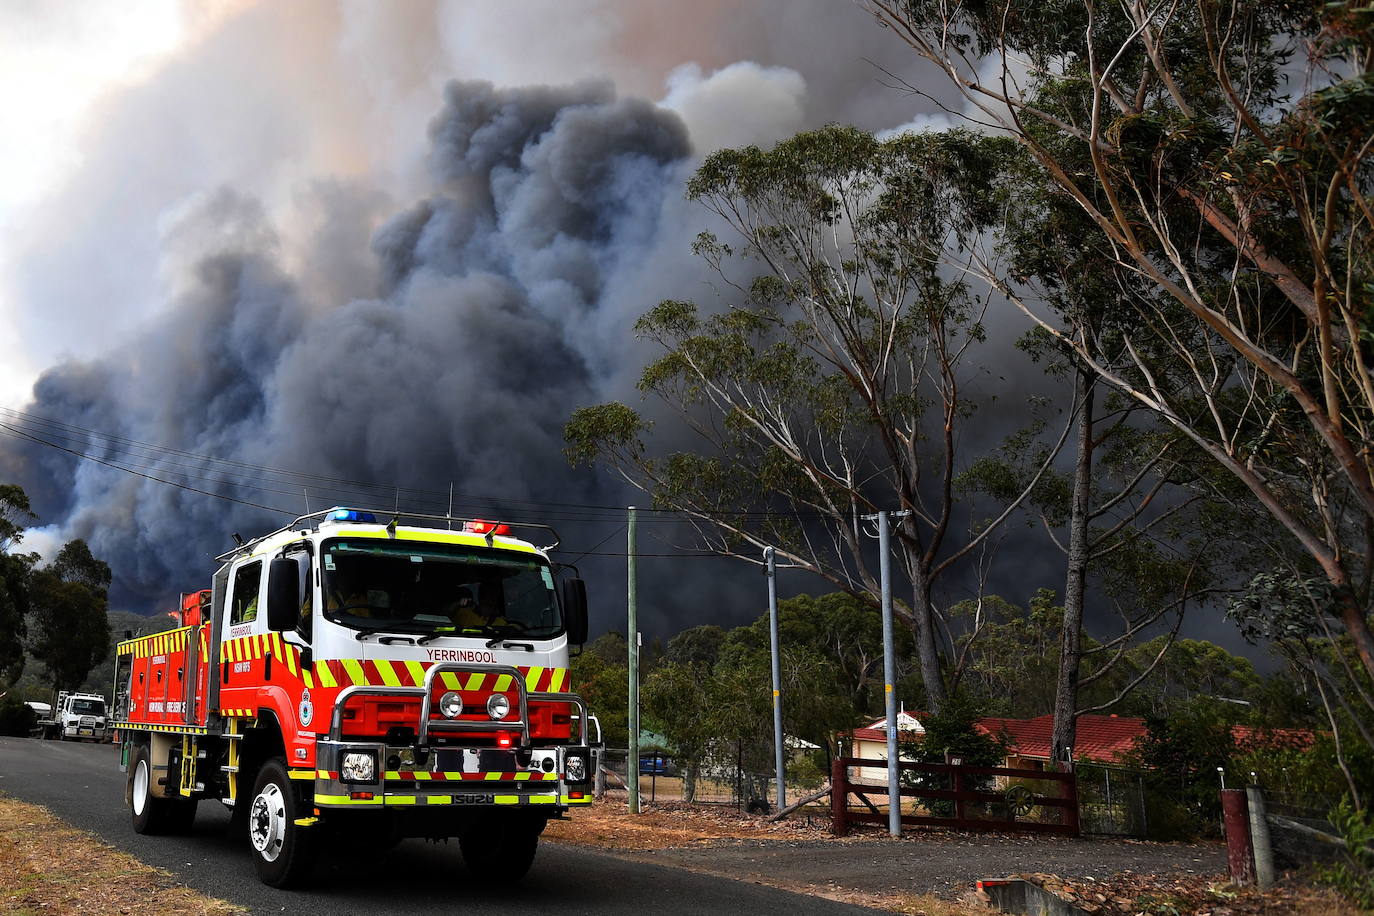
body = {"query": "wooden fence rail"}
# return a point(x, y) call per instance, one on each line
point(1017, 801)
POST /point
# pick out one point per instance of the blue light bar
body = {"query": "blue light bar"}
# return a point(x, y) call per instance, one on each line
point(353, 515)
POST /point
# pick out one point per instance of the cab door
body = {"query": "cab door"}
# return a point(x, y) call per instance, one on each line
point(242, 642)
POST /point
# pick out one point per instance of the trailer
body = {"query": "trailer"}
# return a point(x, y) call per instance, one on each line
point(351, 677)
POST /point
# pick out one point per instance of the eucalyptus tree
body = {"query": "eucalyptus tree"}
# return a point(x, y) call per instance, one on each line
point(15, 570)
point(1221, 153)
point(69, 609)
point(831, 383)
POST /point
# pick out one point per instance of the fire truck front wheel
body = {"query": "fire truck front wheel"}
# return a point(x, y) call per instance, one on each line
point(283, 851)
point(501, 847)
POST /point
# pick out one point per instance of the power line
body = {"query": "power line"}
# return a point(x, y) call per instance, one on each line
point(249, 476)
point(153, 478)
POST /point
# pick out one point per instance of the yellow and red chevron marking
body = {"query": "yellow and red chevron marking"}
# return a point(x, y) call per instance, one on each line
point(243, 713)
point(156, 644)
point(453, 776)
point(350, 672)
point(261, 645)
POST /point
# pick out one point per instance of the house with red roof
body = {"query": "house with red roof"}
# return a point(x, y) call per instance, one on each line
point(1099, 739)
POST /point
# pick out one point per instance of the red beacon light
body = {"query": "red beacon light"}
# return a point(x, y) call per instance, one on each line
point(482, 526)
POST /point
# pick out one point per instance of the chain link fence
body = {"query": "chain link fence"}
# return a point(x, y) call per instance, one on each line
point(660, 779)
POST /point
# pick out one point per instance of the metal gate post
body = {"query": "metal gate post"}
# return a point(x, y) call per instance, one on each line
point(1235, 817)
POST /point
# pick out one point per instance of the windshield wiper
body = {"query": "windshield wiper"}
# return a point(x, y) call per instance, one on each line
point(386, 640)
point(507, 644)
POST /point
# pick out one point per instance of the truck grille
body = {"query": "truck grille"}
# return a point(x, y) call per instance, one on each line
point(88, 721)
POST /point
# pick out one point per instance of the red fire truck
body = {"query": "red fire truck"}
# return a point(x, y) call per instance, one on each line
point(405, 678)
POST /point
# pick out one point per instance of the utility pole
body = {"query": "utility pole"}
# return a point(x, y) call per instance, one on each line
point(894, 798)
point(632, 645)
point(772, 572)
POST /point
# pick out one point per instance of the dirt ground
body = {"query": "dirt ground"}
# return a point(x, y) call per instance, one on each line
point(47, 866)
point(933, 872)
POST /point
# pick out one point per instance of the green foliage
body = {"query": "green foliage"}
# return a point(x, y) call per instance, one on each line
point(600, 675)
point(16, 716)
point(1355, 876)
point(1182, 753)
point(15, 570)
point(953, 732)
point(71, 630)
point(14, 513)
point(1013, 662)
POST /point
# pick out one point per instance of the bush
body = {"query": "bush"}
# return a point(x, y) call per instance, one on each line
point(17, 718)
point(1355, 876)
point(954, 733)
point(1181, 753)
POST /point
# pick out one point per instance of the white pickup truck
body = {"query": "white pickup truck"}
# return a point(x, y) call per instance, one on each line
point(78, 716)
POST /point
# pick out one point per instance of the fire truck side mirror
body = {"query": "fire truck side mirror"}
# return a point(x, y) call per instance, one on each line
point(575, 610)
point(283, 594)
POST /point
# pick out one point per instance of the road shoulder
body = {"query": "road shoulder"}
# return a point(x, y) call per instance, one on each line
point(48, 866)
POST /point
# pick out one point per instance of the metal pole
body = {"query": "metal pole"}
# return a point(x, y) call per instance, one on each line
point(632, 645)
point(1259, 837)
point(894, 798)
point(772, 569)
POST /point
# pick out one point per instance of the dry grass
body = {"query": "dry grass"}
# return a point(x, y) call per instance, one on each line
point(47, 866)
point(607, 825)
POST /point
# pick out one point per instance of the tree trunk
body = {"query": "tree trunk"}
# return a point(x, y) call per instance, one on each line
point(927, 653)
point(689, 783)
point(1075, 583)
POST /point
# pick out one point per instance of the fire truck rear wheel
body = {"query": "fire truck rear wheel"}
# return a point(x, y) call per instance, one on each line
point(501, 848)
point(151, 814)
point(283, 851)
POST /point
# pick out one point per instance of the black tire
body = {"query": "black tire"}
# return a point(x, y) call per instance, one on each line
point(153, 815)
point(283, 852)
point(500, 848)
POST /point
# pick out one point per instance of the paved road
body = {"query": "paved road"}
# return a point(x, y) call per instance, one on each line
point(82, 784)
point(942, 864)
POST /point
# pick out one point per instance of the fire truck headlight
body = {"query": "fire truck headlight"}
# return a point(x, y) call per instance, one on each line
point(498, 705)
point(575, 768)
point(359, 766)
point(451, 705)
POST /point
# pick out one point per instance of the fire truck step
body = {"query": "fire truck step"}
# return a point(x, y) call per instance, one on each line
point(228, 769)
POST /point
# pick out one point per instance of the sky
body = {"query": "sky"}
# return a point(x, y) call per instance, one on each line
point(385, 242)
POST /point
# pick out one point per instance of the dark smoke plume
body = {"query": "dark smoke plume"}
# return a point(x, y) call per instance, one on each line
point(460, 366)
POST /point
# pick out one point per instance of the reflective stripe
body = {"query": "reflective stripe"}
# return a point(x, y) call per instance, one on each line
point(438, 537)
point(346, 800)
point(417, 673)
point(354, 669)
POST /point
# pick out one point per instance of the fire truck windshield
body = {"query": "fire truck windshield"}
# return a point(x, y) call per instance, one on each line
point(438, 589)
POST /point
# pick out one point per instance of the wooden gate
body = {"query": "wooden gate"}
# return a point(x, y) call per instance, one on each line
point(1005, 795)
